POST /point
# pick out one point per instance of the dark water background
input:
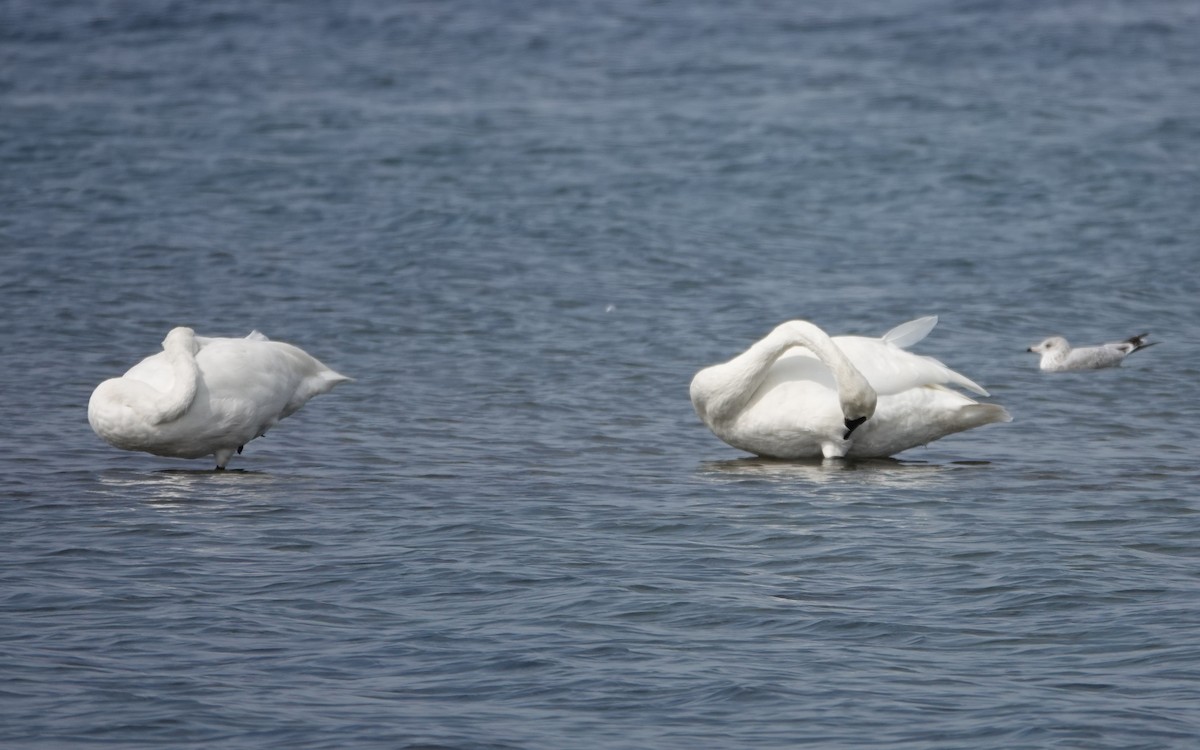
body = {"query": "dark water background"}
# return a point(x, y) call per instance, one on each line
point(522, 227)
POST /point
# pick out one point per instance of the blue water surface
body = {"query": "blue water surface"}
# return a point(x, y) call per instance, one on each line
point(522, 227)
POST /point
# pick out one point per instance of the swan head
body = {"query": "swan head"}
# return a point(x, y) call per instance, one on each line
point(1054, 343)
point(852, 425)
point(858, 400)
point(181, 339)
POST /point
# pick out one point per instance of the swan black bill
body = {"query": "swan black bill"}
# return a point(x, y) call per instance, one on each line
point(852, 425)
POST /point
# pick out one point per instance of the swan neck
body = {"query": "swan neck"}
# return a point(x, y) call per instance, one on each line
point(721, 392)
point(854, 392)
point(172, 404)
point(807, 335)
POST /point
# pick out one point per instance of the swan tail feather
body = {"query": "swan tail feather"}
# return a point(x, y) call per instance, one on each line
point(962, 380)
point(977, 415)
point(316, 384)
point(335, 378)
point(907, 334)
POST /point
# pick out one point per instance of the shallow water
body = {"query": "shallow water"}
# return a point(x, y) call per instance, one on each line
point(522, 230)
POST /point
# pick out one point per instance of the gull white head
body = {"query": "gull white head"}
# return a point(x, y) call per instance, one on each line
point(1052, 344)
point(1053, 351)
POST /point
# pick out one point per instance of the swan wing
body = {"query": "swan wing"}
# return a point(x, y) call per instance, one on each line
point(892, 370)
point(276, 378)
point(254, 335)
point(920, 416)
point(798, 364)
point(260, 376)
point(154, 371)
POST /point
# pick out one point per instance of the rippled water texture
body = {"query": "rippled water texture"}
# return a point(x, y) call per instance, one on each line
point(522, 227)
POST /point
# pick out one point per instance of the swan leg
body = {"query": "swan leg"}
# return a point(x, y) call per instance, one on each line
point(223, 455)
point(830, 449)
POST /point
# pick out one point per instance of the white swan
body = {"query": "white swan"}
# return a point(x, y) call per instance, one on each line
point(202, 396)
point(800, 394)
point(1058, 356)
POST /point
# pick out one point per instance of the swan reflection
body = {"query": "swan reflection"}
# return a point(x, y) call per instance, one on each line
point(882, 472)
point(179, 488)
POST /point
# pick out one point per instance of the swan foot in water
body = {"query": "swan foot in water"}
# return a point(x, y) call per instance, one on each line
point(829, 449)
point(223, 455)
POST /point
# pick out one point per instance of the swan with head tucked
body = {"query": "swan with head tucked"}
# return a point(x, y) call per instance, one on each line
point(1058, 356)
point(205, 396)
point(799, 393)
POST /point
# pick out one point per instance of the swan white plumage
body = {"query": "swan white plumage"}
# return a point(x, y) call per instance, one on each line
point(205, 396)
point(799, 393)
point(1058, 356)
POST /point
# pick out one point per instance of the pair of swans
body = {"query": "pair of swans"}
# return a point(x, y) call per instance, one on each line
point(799, 393)
point(205, 396)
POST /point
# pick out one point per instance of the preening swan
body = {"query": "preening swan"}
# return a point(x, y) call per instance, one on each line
point(1058, 356)
point(798, 393)
point(204, 396)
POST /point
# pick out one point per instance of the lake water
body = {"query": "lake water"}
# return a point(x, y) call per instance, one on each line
point(522, 227)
